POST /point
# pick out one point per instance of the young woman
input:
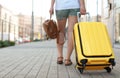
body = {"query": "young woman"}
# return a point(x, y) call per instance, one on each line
point(66, 10)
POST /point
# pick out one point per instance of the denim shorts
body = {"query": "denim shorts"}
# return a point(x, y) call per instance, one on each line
point(64, 14)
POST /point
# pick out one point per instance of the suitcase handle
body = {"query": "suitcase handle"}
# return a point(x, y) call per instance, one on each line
point(79, 15)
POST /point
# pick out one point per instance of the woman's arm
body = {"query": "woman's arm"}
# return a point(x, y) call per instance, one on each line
point(82, 7)
point(51, 11)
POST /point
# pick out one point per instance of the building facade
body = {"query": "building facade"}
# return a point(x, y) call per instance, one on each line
point(19, 27)
point(24, 23)
point(111, 17)
point(25, 27)
point(8, 25)
point(117, 20)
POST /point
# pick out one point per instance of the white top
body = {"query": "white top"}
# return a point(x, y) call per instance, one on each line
point(66, 4)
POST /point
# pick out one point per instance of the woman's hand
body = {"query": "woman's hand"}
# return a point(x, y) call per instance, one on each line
point(51, 11)
point(82, 7)
point(82, 10)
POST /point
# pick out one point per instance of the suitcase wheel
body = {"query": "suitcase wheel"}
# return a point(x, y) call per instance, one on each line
point(80, 70)
point(108, 69)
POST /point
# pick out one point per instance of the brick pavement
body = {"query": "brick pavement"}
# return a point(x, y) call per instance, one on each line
point(38, 60)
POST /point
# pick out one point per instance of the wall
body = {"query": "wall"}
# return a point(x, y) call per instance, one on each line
point(8, 25)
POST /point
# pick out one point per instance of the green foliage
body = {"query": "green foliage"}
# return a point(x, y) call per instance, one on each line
point(1, 44)
point(36, 40)
point(12, 43)
point(6, 43)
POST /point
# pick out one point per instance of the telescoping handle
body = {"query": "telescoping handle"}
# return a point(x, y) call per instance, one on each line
point(79, 15)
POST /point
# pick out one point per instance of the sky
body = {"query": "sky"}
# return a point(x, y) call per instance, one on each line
point(40, 7)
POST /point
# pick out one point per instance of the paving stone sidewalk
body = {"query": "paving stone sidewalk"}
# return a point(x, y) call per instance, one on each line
point(38, 60)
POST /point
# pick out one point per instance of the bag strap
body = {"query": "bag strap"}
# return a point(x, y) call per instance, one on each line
point(50, 16)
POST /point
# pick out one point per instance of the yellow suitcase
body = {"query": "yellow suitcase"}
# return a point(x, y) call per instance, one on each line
point(93, 47)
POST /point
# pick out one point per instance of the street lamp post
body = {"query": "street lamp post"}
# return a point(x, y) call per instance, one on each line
point(41, 27)
point(97, 10)
point(32, 18)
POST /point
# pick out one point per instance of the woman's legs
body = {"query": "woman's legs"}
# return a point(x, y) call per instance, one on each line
point(62, 16)
point(70, 45)
point(61, 28)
